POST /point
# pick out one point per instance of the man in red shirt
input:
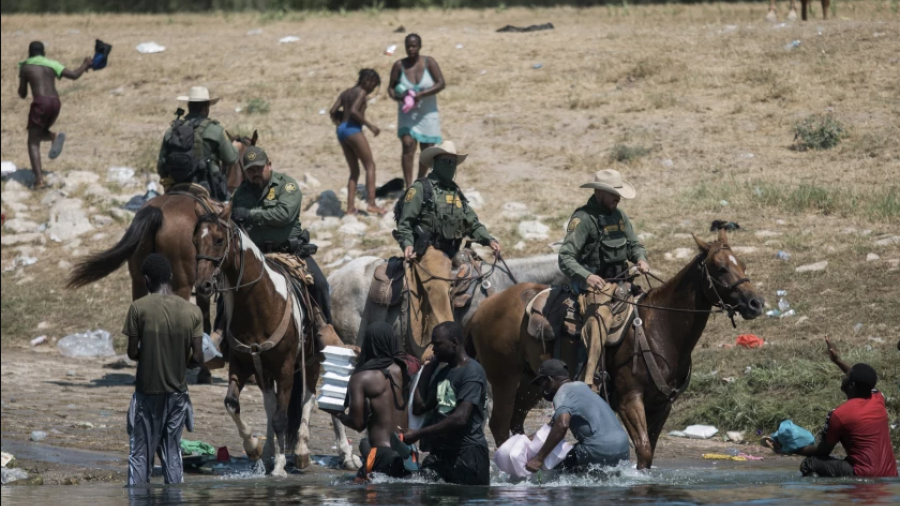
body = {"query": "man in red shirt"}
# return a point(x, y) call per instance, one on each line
point(860, 425)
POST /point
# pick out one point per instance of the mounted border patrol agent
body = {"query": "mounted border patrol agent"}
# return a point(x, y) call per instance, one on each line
point(195, 148)
point(433, 218)
point(598, 245)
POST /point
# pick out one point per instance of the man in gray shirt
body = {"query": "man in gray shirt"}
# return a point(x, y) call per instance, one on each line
point(601, 439)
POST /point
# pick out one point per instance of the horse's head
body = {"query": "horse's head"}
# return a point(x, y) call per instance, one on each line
point(240, 143)
point(728, 285)
point(215, 239)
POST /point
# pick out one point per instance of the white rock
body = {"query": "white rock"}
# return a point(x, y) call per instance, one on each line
point(871, 257)
point(645, 235)
point(14, 239)
point(78, 178)
point(16, 207)
point(353, 228)
point(818, 266)
point(20, 226)
point(15, 192)
point(682, 236)
point(744, 250)
point(53, 196)
point(519, 246)
point(122, 176)
point(767, 233)
point(680, 254)
point(101, 220)
point(894, 264)
point(121, 214)
point(476, 201)
point(97, 192)
point(801, 320)
point(887, 241)
point(64, 265)
point(68, 220)
point(514, 210)
point(534, 231)
point(311, 180)
point(99, 237)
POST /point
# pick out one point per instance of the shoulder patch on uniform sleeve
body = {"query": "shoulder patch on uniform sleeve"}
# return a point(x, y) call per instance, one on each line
point(290, 187)
point(410, 194)
point(573, 224)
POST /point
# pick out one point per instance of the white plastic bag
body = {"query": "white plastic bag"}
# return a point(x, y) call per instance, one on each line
point(515, 453)
point(150, 48)
point(97, 343)
point(700, 431)
point(209, 349)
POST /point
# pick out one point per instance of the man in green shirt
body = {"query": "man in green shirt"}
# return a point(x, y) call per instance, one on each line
point(41, 73)
point(434, 220)
point(195, 148)
point(165, 335)
point(598, 245)
point(268, 205)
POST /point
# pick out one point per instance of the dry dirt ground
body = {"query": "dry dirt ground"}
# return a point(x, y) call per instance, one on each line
point(694, 104)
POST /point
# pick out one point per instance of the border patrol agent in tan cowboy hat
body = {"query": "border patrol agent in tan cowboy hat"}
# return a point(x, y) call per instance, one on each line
point(195, 149)
point(433, 221)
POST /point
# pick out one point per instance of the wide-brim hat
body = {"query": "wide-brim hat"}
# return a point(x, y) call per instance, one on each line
point(198, 94)
point(611, 181)
point(444, 148)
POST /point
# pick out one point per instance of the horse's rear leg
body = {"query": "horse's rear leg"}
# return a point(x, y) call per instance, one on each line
point(527, 398)
point(655, 425)
point(504, 390)
point(236, 382)
point(632, 414)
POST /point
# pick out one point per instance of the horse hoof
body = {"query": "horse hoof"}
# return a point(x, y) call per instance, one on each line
point(279, 473)
point(792, 16)
point(302, 461)
point(255, 450)
point(771, 17)
point(353, 463)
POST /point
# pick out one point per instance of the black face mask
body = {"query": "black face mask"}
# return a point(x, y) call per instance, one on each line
point(444, 169)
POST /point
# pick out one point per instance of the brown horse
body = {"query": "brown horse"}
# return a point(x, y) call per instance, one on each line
point(674, 316)
point(164, 225)
point(772, 16)
point(265, 332)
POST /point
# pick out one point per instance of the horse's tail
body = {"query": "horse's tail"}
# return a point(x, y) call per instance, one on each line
point(295, 410)
point(102, 264)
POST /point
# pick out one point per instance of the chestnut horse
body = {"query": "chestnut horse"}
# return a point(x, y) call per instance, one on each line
point(265, 331)
point(674, 316)
point(772, 16)
point(164, 225)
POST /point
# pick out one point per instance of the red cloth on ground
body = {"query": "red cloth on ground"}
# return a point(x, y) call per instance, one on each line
point(749, 341)
point(862, 428)
point(43, 113)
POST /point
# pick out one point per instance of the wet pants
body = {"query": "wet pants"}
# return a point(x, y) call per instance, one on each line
point(826, 467)
point(378, 459)
point(155, 423)
point(429, 296)
point(467, 465)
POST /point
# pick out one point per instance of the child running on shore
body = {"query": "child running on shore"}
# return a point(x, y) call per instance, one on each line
point(349, 114)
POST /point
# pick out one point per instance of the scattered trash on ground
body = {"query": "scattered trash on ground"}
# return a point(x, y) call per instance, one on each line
point(329, 205)
point(459, 46)
point(222, 454)
point(816, 267)
point(195, 448)
point(5, 458)
point(38, 435)
point(11, 475)
point(150, 48)
point(783, 255)
point(735, 436)
point(255, 31)
point(7, 168)
point(119, 175)
point(83, 425)
point(794, 44)
point(390, 50)
point(857, 328)
point(667, 163)
point(730, 226)
point(290, 39)
point(97, 343)
point(138, 201)
point(700, 431)
point(537, 65)
point(749, 341)
point(791, 437)
point(519, 29)
point(722, 456)
point(392, 189)
point(38, 340)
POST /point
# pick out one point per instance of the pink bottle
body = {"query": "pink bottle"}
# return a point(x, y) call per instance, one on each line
point(409, 101)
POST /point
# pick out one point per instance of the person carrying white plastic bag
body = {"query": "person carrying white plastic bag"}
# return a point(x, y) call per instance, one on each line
point(515, 453)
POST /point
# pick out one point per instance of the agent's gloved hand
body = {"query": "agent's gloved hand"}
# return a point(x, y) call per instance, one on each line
point(240, 214)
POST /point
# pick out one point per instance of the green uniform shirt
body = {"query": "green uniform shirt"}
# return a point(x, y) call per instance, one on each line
point(449, 217)
point(165, 325)
point(274, 210)
point(597, 238)
point(216, 145)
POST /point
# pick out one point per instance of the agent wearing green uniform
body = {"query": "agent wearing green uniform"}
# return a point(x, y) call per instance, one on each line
point(434, 220)
point(598, 245)
point(268, 205)
point(195, 148)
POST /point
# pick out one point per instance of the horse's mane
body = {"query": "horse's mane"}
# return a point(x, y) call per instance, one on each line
point(678, 281)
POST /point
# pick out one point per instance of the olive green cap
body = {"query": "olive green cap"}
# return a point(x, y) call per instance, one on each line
point(254, 157)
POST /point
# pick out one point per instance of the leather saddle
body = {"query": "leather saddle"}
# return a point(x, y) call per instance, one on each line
point(198, 193)
point(557, 312)
point(387, 283)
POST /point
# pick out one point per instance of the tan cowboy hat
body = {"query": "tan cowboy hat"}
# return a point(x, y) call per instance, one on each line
point(444, 148)
point(611, 181)
point(198, 94)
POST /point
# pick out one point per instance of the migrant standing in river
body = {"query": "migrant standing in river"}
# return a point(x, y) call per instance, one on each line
point(349, 115)
point(165, 335)
point(41, 73)
point(420, 78)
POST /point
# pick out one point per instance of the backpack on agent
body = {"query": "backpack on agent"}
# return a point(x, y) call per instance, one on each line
point(185, 157)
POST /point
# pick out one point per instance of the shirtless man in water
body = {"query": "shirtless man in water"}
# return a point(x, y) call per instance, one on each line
point(349, 115)
point(41, 74)
point(378, 393)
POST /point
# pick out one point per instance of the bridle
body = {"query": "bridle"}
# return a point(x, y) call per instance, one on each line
point(232, 231)
point(729, 288)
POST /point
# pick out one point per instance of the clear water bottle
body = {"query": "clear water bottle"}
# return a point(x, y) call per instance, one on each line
point(789, 312)
point(783, 255)
point(794, 44)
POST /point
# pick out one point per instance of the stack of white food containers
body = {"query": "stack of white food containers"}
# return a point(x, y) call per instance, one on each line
point(339, 365)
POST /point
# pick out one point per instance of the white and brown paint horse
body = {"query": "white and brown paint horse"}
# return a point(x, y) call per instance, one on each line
point(266, 318)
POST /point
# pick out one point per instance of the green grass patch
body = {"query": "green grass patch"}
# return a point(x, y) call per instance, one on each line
point(257, 106)
point(624, 153)
point(818, 131)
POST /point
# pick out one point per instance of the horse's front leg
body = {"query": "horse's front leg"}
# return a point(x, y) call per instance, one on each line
point(277, 405)
point(350, 461)
point(631, 412)
point(237, 380)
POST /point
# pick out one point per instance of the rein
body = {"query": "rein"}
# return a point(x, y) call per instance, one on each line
point(218, 261)
point(478, 277)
